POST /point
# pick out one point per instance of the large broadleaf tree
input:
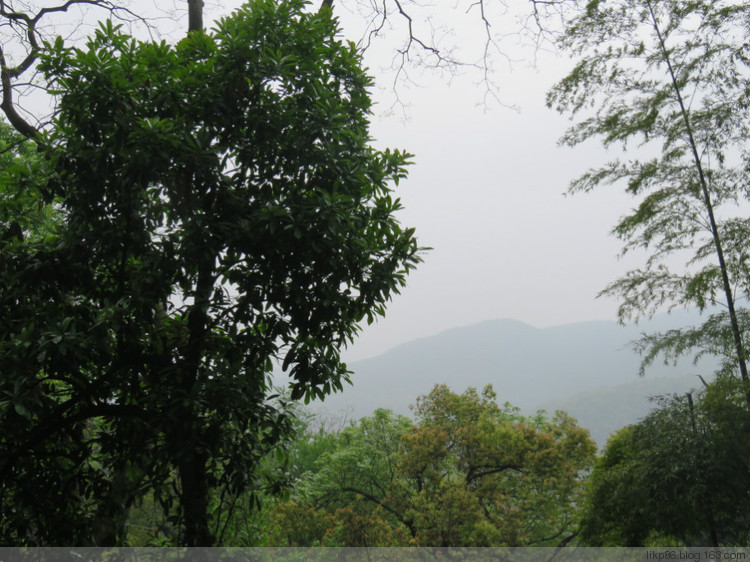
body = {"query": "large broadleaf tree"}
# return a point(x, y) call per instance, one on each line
point(220, 206)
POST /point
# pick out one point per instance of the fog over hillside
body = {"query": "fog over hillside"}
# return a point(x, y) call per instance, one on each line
point(587, 369)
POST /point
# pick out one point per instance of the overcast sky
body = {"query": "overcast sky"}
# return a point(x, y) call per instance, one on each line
point(486, 192)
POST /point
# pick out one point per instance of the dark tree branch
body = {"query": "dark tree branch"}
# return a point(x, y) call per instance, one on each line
point(7, 104)
point(537, 15)
point(408, 522)
point(563, 543)
point(25, 443)
point(195, 15)
point(423, 44)
point(477, 472)
point(30, 32)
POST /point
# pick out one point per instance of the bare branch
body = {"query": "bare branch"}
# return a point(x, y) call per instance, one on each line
point(429, 37)
point(375, 31)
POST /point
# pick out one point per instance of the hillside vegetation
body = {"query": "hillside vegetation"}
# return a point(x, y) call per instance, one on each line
point(588, 369)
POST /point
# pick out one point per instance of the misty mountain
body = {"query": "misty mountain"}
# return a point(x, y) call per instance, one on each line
point(588, 369)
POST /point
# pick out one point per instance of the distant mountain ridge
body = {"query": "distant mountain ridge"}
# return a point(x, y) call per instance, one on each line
point(532, 368)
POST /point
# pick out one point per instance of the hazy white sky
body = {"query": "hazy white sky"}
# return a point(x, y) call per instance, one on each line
point(486, 193)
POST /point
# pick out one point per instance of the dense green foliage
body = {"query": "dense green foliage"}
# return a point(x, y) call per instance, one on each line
point(680, 476)
point(667, 82)
point(219, 207)
point(466, 473)
point(24, 214)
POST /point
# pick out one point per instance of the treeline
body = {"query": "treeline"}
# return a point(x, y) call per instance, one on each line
point(469, 472)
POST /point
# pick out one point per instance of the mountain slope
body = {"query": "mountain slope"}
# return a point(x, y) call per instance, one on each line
point(529, 367)
point(608, 409)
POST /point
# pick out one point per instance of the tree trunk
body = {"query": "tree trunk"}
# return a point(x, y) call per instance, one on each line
point(195, 15)
point(194, 499)
point(192, 456)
